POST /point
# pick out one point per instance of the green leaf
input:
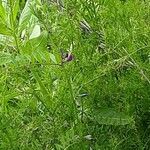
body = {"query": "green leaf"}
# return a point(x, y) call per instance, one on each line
point(39, 42)
point(25, 16)
point(4, 29)
point(2, 13)
point(21, 60)
point(36, 32)
point(111, 117)
point(38, 56)
point(53, 58)
point(47, 101)
point(15, 9)
point(5, 58)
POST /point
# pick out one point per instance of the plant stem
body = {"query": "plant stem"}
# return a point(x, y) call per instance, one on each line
point(75, 113)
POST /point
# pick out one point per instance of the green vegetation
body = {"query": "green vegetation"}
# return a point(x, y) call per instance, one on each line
point(74, 75)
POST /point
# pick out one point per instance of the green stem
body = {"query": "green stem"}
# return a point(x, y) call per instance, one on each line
point(71, 94)
point(16, 41)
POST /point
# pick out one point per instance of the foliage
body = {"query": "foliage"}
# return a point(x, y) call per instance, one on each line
point(98, 99)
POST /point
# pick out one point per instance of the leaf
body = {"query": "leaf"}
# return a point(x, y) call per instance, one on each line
point(2, 12)
point(15, 9)
point(6, 40)
point(37, 49)
point(26, 15)
point(36, 32)
point(5, 58)
point(39, 42)
point(111, 117)
point(53, 58)
point(4, 29)
point(38, 56)
point(46, 95)
point(21, 59)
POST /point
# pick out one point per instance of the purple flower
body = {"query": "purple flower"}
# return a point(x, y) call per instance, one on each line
point(67, 57)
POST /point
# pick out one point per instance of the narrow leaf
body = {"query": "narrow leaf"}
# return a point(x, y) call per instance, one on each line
point(2, 12)
point(111, 117)
point(15, 9)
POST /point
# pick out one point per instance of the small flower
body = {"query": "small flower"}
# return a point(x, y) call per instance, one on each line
point(66, 57)
point(69, 57)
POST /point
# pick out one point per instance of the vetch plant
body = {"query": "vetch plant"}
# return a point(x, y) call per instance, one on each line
point(93, 95)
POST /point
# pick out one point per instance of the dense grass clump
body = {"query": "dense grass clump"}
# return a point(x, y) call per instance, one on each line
point(74, 75)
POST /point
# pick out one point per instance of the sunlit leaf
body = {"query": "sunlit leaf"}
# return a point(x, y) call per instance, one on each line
point(53, 58)
point(36, 32)
point(2, 12)
point(25, 15)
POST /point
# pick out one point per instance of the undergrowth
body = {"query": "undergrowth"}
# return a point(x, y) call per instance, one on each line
point(74, 74)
